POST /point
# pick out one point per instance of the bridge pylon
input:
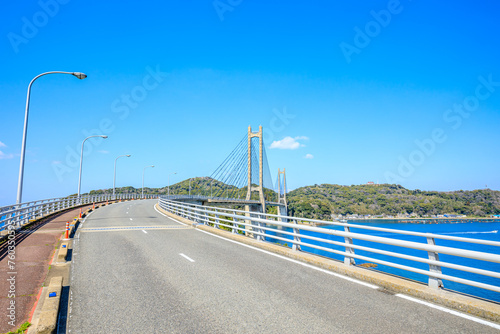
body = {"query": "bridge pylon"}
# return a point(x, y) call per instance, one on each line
point(250, 186)
point(259, 187)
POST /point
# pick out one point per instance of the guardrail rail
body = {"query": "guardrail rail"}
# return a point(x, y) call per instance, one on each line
point(342, 242)
point(18, 215)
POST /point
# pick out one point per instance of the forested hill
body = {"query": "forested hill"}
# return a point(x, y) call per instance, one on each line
point(321, 201)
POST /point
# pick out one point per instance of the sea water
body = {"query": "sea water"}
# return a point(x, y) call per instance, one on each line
point(484, 230)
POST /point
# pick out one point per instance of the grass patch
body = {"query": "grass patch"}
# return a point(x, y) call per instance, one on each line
point(22, 329)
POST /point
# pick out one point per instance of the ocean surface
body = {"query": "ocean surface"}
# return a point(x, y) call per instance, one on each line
point(485, 230)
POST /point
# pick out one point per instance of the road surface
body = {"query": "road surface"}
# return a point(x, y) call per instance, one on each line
point(136, 271)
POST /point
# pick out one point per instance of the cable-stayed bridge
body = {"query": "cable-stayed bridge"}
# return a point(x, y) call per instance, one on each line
point(244, 178)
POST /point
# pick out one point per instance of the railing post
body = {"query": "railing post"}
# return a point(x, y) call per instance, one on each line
point(207, 218)
point(259, 236)
point(296, 238)
point(235, 223)
point(216, 221)
point(198, 217)
point(434, 283)
point(25, 216)
point(348, 240)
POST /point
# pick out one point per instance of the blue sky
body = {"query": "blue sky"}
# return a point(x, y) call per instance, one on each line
point(403, 92)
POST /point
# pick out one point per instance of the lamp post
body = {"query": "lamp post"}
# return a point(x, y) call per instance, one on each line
point(79, 75)
point(114, 175)
point(152, 166)
point(81, 161)
point(169, 182)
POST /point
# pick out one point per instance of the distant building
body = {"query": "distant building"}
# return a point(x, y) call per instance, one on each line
point(371, 183)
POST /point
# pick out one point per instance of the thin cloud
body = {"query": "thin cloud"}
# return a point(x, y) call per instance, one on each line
point(288, 143)
point(309, 156)
point(103, 151)
point(2, 144)
point(6, 156)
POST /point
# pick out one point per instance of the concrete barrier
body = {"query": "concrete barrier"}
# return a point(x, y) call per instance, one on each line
point(63, 252)
point(50, 308)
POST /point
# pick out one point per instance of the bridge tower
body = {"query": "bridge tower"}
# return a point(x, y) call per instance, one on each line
point(283, 210)
point(260, 187)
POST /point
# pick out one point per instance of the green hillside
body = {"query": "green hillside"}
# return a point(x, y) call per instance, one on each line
point(205, 186)
point(321, 201)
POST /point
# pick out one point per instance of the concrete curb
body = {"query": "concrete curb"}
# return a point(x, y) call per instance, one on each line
point(49, 310)
point(63, 253)
point(465, 304)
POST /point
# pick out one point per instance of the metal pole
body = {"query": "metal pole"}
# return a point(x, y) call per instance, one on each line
point(189, 187)
point(114, 175)
point(79, 75)
point(81, 162)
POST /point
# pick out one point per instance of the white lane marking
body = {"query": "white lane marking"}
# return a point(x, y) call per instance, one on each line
point(186, 257)
point(280, 256)
point(127, 212)
point(294, 261)
point(84, 219)
point(458, 314)
point(175, 220)
point(131, 219)
point(144, 231)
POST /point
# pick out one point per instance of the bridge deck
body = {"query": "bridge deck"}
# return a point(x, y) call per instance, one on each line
point(146, 279)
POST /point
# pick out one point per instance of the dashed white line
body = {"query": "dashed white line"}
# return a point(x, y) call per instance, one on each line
point(458, 314)
point(131, 219)
point(144, 231)
point(186, 257)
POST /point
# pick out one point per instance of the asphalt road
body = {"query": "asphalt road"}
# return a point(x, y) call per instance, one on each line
point(137, 271)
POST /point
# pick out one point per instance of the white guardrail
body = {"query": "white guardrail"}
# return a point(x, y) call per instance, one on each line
point(269, 226)
point(18, 215)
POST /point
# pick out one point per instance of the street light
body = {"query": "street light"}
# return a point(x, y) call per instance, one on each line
point(152, 166)
point(169, 182)
point(79, 75)
point(114, 175)
point(81, 162)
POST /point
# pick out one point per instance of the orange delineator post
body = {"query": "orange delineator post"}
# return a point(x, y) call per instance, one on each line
point(67, 230)
point(93, 206)
point(80, 213)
